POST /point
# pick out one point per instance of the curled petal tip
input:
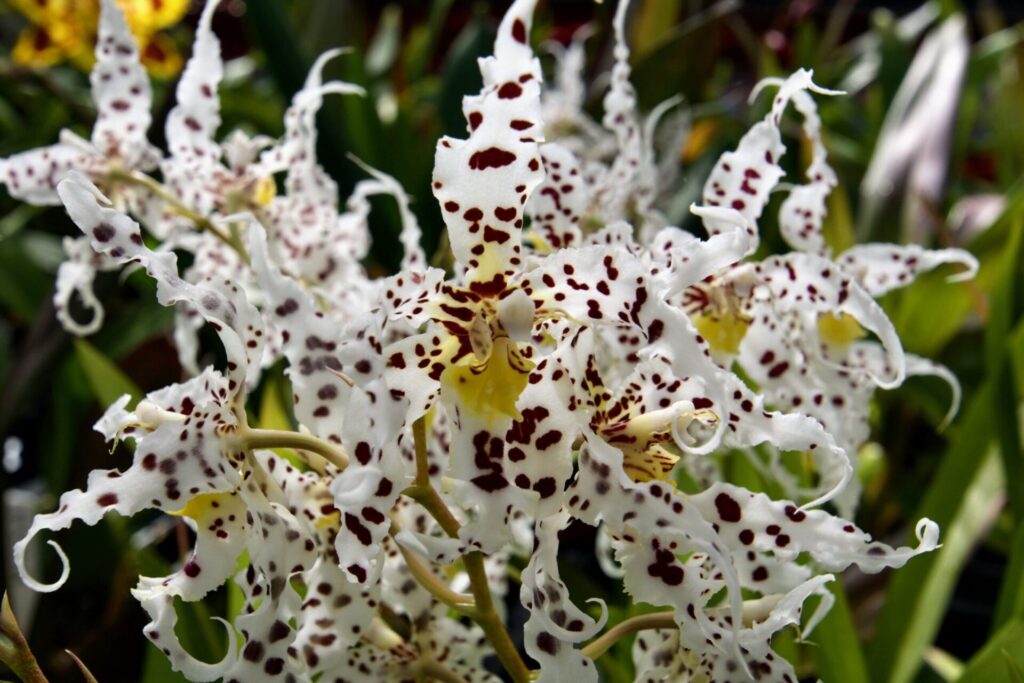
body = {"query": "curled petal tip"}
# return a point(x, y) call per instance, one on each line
point(26, 578)
point(927, 534)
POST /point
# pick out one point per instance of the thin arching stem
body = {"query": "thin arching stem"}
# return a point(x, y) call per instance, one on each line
point(426, 578)
point(483, 613)
point(202, 222)
point(642, 622)
point(274, 438)
point(431, 670)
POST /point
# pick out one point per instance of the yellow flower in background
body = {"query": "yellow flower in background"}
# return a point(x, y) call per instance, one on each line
point(65, 30)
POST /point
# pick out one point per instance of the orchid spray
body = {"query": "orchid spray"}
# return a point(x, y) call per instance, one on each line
point(578, 356)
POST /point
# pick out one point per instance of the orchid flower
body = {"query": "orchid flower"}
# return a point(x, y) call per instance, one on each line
point(118, 144)
point(122, 95)
point(450, 427)
point(194, 457)
point(839, 372)
point(597, 176)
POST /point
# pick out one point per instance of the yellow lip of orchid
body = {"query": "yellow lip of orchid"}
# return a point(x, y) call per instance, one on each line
point(492, 386)
point(723, 332)
point(839, 331)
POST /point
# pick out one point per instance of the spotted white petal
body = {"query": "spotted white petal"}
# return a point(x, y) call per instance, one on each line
point(310, 343)
point(222, 303)
point(75, 276)
point(32, 176)
point(560, 201)
point(881, 268)
point(194, 121)
point(555, 625)
point(121, 92)
point(809, 286)
point(179, 454)
point(754, 522)
point(744, 179)
point(368, 488)
point(482, 183)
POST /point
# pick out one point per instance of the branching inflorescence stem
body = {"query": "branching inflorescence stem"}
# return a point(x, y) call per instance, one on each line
point(642, 622)
point(482, 612)
point(140, 179)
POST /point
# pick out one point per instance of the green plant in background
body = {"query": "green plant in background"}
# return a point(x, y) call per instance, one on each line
point(439, 439)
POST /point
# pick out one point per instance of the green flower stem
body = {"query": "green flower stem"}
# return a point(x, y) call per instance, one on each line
point(483, 613)
point(274, 438)
point(428, 669)
point(488, 620)
point(642, 622)
point(421, 572)
point(202, 222)
point(419, 437)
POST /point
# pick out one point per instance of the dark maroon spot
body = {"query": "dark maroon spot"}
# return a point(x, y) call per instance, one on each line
point(492, 157)
point(545, 487)
point(253, 651)
point(107, 499)
point(372, 515)
point(356, 526)
point(510, 91)
point(492, 235)
point(728, 509)
point(795, 514)
point(505, 214)
point(104, 232)
point(278, 631)
point(493, 481)
point(358, 572)
point(547, 643)
point(519, 31)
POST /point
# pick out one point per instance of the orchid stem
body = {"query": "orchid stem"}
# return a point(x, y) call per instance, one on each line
point(642, 622)
point(432, 670)
point(421, 572)
point(202, 222)
point(483, 613)
point(274, 438)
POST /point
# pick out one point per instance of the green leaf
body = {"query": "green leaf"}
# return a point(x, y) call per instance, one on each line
point(1002, 659)
point(105, 379)
point(1004, 308)
point(23, 286)
point(1011, 595)
point(838, 655)
point(960, 500)
point(156, 668)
